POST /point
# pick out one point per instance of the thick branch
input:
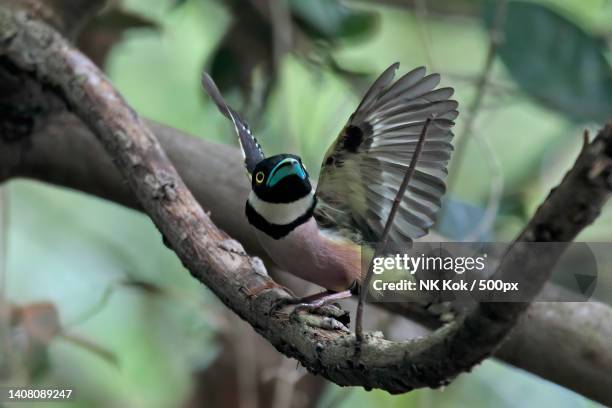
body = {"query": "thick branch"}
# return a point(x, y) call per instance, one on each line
point(64, 152)
point(67, 16)
point(220, 264)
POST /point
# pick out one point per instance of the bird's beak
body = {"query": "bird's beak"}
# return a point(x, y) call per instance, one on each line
point(286, 167)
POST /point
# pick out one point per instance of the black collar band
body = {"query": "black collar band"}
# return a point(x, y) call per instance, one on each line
point(277, 231)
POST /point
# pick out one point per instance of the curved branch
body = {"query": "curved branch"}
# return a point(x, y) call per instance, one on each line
point(238, 280)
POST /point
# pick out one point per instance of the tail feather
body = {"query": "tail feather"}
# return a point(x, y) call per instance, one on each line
point(251, 150)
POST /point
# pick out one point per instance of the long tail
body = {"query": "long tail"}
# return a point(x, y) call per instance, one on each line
point(251, 150)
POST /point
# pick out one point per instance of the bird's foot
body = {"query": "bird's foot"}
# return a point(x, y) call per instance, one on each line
point(310, 302)
point(444, 311)
point(319, 304)
point(333, 319)
point(315, 302)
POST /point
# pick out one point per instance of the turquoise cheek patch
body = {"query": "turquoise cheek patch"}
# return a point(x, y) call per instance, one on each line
point(299, 171)
point(283, 172)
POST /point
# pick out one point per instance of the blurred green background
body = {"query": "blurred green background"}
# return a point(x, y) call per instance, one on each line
point(104, 269)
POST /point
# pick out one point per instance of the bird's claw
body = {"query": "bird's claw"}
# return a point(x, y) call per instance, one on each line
point(319, 304)
point(321, 322)
point(315, 308)
point(278, 304)
point(322, 315)
point(325, 311)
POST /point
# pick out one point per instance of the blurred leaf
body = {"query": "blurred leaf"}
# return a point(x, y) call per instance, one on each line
point(118, 19)
point(90, 346)
point(248, 44)
point(359, 80)
point(105, 31)
point(147, 288)
point(468, 8)
point(556, 62)
point(331, 19)
point(178, 3)
point(225, 67)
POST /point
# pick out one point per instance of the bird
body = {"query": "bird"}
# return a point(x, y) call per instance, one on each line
point(322, 234)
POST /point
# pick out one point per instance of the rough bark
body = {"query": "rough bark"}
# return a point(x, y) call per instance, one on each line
point(241, 283)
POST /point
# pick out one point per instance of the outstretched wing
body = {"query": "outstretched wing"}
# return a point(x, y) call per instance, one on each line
point(251, 150)
point(363, 169)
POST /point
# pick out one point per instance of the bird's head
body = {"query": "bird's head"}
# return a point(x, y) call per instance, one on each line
point(281, 179)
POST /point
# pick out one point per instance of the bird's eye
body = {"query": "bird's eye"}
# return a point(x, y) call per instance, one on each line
point(259, 177)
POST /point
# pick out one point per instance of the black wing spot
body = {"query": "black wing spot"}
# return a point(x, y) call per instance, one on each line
point(353, 137)
point(329, 161)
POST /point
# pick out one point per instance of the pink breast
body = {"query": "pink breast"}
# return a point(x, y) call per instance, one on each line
point(315, 257)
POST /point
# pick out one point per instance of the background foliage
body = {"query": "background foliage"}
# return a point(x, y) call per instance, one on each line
point(103, 267)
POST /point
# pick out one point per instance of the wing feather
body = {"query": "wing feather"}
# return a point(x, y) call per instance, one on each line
point(407, 81)
point(373, 93)
point(363, 169)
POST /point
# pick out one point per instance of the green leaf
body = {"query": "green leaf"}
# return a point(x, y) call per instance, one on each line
point(557, 62)
point(225, 67)
point(332, 20)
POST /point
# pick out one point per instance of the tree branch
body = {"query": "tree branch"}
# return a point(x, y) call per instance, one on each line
point(67, 16)
point(64, 152)
point(222, 265)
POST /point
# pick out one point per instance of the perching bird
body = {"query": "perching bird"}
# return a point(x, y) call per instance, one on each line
point(318, 235)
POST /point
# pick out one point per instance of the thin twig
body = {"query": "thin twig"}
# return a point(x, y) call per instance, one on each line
point(495, 39)
point(385, 235)
point(422, 15)
point(495, 194)
point(96, 308)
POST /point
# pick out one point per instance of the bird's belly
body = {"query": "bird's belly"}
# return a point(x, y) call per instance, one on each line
point(308, 254)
